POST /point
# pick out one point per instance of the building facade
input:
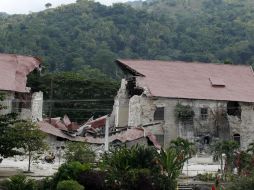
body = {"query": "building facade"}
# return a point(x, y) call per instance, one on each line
point(17, 96)
point(201, 102)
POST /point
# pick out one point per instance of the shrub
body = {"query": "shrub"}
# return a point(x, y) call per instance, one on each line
point(69, 185)
point(69, 171)
point(206, 177)
point(78, 151)
point(242, 183)
point(138, 179)
point(19, 182)
point(45, 184)
point(92, 179)
point(132, 168)
point(136, 157)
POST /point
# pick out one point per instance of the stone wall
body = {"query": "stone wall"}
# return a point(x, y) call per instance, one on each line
point(138, 110)
point(37, 106)
point(243, 126)
point(121, 106)
point(217, 125)
point(33, 112)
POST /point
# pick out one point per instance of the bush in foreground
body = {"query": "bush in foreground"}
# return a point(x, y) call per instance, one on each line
point(19, 182)
point(69, 185)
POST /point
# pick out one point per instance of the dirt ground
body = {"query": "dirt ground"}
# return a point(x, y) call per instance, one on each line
point(15, 165)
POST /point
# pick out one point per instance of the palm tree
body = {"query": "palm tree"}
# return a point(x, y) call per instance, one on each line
point(171, 165)
point(229, 149)
point(184, 149)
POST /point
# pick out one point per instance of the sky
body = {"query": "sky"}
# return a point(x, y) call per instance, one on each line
point(26, 6)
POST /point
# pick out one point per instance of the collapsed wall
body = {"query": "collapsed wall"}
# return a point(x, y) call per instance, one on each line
point(242, 128)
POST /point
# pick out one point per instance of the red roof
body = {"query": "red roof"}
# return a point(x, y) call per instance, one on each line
point(14, 70)
point(98, 123)
point(50, 129)
point(176, 79)
point(125, 136)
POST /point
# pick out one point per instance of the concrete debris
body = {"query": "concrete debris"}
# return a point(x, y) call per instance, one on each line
point(93, 131)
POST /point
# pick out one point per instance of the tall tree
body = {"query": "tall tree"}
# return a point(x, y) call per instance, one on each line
point(48, 5)
point(229, 149)
point(32, 140)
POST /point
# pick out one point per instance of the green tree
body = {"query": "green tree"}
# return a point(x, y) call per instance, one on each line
point(229, 149)
point(81, 94)
point(8, 135)
point(31, 138)
point(48, 5)
point(172, 164)
point(183, 147)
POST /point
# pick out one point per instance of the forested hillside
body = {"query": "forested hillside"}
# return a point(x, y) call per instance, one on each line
point(88, 33)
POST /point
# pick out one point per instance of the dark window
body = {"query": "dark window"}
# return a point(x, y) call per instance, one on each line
point(203, 113)
point(237, 138)
point(159, 114)
point(234, 109)
point(206, 140)
point(60, 139)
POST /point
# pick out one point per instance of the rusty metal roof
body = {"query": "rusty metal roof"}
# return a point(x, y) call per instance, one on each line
point(52, 130)
point(176, 79)
point(98, 123)
point(14, 70)
point(125, 136)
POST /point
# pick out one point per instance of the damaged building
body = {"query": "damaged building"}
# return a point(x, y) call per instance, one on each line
point(92, 132)
point(200, 102)
point(13, 78)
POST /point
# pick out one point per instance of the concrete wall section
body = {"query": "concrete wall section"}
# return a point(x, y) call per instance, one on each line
point(121, 106)
point(37, 106)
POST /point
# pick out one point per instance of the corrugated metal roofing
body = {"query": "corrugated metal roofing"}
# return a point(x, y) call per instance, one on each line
point(176, 79)
point(14, 70)
point(125, 136)
point(98, 123)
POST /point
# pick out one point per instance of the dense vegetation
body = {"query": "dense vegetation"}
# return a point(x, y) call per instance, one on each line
point(73, 37)
point(122, 168)
point(88, 33)
point(80, 95)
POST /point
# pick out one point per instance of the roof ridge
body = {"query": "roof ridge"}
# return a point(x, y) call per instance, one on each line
point(179, 61)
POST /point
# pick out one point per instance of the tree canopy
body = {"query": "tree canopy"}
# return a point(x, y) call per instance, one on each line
point(88, 33)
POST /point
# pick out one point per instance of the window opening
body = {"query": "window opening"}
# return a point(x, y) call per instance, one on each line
point(204, 113)
point(237, 138)
point(159, 113)
point(234, 109)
